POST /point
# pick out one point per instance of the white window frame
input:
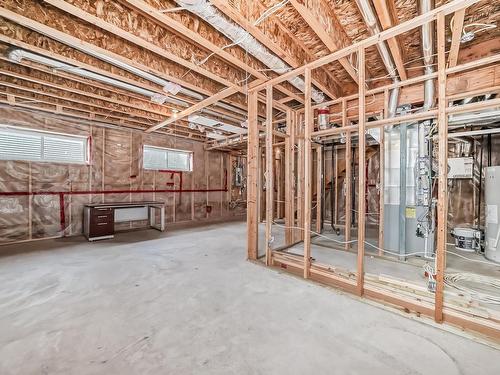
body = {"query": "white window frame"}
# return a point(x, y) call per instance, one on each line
point(166, 149)
point(42, 134)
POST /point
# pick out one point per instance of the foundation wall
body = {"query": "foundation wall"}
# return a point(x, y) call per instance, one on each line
point(115, 168)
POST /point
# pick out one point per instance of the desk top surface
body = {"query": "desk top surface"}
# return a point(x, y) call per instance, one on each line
point(125, 204)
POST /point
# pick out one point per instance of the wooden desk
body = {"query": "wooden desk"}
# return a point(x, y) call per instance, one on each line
point(99, 219)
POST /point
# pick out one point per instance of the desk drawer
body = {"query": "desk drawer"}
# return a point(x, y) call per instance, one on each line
point(103, 218)
point(101, 229)
point(101, 211)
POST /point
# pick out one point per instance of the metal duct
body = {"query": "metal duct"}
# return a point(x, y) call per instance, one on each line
point(372, 24)
point(17, 55)
point(427, 33)
point(239, 36)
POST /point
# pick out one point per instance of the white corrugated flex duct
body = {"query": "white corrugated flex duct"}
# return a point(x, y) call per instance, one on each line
point(239, 36)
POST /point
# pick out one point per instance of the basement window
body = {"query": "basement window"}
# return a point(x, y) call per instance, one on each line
point(41, 146)
point(158, 158)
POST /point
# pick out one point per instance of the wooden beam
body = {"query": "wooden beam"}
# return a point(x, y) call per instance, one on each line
point(252, 178)
point(385, 10)
point(279, 51)
point(308, 125)
point(381, 174)
point(60, 4)
point(326, 33)
point(348, 179)
point(69, 111)
point(300, 176)
point(269, 173)
point(178, 27)
point(361, 173)
point(335, 176)
point(290, 177)
point(71, 89)
point(442, 207)
point(77, 12)
point(319, 188)
point(139, 118)
point(447, 8)
point(456, 34)
point(74, 42)
point(195, 108)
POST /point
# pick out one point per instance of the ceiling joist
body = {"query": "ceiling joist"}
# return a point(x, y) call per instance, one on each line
point(385, 10)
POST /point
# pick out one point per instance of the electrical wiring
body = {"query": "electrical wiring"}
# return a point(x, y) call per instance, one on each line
point(483, 27)
point(367, 213)
point(270, 11)
point(385, 250)
point(451, 279)
point(455, 280)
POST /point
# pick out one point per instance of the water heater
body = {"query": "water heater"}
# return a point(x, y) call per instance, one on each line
point(492, 201)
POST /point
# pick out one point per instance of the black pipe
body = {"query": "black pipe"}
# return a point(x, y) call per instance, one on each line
point(489, 150)
point(353, 184)
point(480, 184)
point(332, 198)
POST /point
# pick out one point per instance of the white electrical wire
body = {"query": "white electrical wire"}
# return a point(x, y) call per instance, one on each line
point(385, 250)
point(451, 279)
point(482, 27)
point(454, 280)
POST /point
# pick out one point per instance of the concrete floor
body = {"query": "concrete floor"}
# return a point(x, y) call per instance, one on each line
point(187, 302)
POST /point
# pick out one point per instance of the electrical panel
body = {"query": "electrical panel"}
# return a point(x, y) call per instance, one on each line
point(460, 167)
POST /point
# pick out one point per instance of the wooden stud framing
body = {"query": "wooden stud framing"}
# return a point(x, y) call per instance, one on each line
point(381, 182)
point(448, 8)
point(319, 188)
point(386, 14)
point(325, 35)
point(195, 108)
point(300, 178)
point(269, 173)
point(456, 34)
point(361, 286)
point(308, 124)
point(442, 208)
point(336, 188)
point(263, 38)
point(252, 178)
point(347, 180)
point(290, 177)
point(361, 173)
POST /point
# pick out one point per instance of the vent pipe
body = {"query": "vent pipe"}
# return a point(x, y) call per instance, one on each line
point(427, 33)
point(239, 36)
point(373, 27)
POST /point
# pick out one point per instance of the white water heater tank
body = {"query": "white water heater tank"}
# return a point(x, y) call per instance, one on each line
point(492, 201)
